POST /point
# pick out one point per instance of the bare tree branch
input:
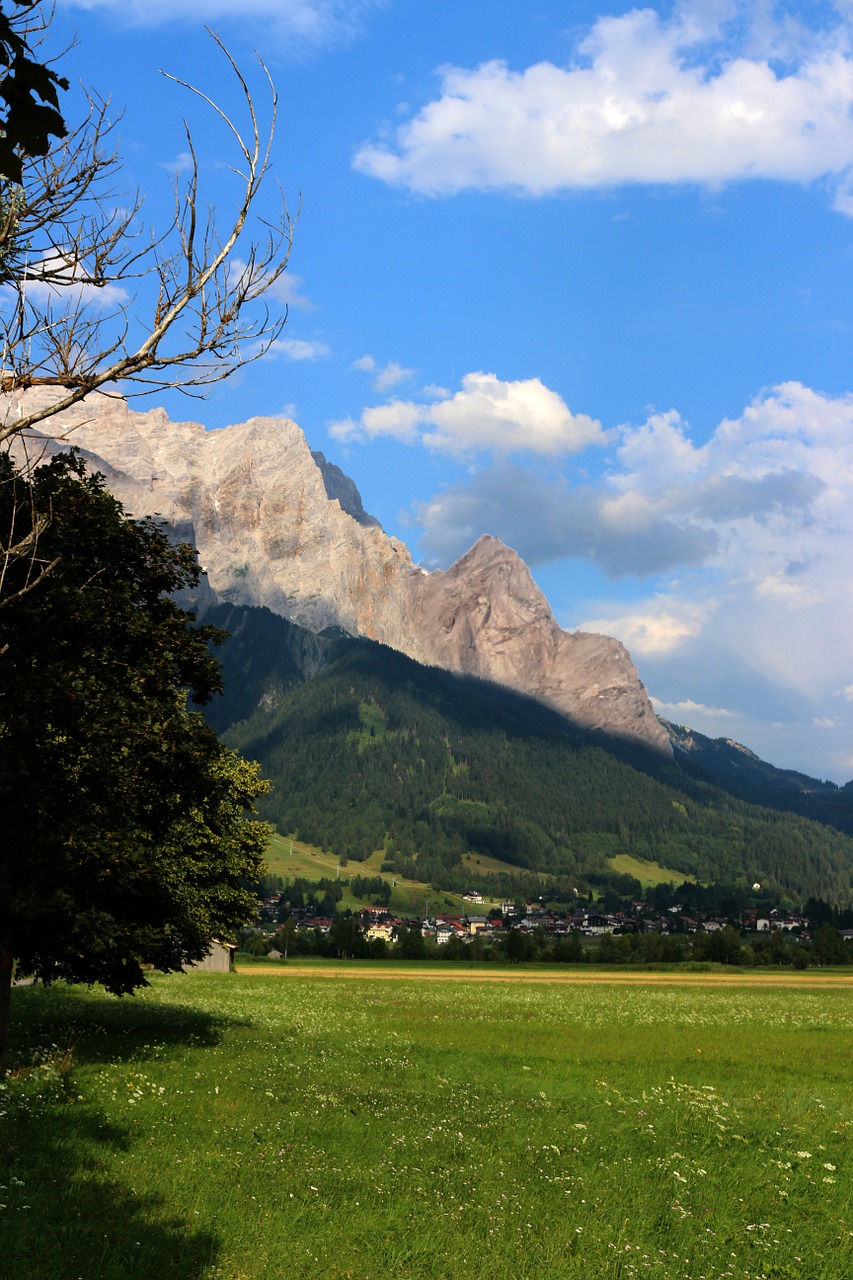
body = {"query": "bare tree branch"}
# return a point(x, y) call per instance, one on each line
point(77, 264)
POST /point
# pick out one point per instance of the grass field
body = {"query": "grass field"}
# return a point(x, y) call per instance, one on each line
point(291, 858)
point(648, 873)
point(328, 1125)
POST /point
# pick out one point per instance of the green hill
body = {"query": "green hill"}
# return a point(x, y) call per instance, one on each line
point(368, 750)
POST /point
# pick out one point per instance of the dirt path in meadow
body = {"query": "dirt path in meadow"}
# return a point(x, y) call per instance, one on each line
point(824, 980)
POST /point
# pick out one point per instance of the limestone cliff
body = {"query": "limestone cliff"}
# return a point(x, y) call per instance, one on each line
point(276, 525)
point(485, 616)
point(254, 502)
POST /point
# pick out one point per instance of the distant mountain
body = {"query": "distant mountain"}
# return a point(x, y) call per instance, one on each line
point(743, 774)
point(278, 526)
point(368, 749)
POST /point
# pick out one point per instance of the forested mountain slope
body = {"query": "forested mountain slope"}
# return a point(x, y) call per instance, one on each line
point(365, 748)
point(744, 774)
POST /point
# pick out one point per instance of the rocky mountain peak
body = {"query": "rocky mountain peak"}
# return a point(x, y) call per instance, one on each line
point(276, 525)
point(485, 616)
point(340, 488)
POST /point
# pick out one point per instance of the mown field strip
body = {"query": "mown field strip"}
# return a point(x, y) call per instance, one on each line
point(618, 977)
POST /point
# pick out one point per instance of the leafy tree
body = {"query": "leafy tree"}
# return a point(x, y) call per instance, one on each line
point(410, 943)
point(724, 945)
point(286, 936)
point(28, 88)
point(519, 946)
point(125, 839)
point(828, 946)
point(345, 939)
point(255, 944)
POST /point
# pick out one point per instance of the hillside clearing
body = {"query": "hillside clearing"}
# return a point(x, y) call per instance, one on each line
point(649, 873)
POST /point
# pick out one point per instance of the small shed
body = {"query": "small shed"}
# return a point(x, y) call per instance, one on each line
point(219, 959)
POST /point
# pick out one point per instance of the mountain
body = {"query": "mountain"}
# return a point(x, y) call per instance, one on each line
point(368, 749)
point(743, 774)
point(439, 714)
point(486, 617)
point(280, 527)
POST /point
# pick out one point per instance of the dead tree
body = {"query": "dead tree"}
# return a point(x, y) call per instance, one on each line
point(93, 299)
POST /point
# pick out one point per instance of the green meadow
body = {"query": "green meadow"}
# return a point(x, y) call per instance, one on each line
point(291, 858)
point(325, 1126)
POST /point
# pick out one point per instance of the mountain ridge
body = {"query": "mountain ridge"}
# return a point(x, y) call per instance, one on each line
point(745, 774)
point(279, 527)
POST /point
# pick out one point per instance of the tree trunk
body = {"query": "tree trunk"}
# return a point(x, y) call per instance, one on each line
point(6, 969)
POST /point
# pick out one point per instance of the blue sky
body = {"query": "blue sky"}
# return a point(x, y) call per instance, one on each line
point(575, 275)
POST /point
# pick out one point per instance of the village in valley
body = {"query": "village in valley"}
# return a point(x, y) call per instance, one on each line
point(524, 930)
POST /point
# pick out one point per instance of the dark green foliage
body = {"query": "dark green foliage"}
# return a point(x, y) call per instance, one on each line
point(124, 835)
point(367, 750)
point(29, 90)
point(363, 887)
point(317, 895)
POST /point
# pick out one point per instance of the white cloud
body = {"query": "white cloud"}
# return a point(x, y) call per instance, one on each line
point(60, 295)
point(365, 364)
point(386, 376)
point(647, 100)
point(298, 349)
point(545, 519)
point(651, 634)
point(182, 163)
point(769, 495)
point(687, 707)
point(108, 297)
point(309, 22)
point(780, 588)
point(745, 542)
point(287, 289)
point(487, 415)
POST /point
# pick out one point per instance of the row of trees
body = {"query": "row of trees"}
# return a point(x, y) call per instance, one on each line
point(127, 835)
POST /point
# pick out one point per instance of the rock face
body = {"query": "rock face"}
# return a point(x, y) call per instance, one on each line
point(276, 525)
point(254, 502)
point(485, 616)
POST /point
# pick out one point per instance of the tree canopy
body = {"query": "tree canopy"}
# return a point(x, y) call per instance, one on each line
point(125, 839)
point(30, 115)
